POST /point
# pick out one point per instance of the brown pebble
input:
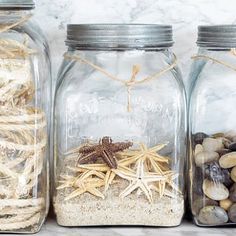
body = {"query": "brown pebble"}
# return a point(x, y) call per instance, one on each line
point(226, 204)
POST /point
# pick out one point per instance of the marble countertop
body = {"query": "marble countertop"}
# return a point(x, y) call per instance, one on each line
point(51, 228)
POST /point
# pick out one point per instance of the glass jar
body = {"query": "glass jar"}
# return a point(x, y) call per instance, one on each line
point(25, 94)
point(119, 128)
point(212, 127)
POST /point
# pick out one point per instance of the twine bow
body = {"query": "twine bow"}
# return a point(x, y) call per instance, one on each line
point(129, 84)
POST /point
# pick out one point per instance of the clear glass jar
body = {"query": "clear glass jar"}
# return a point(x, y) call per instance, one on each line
point(212, 128)
point(25, 94)
point(119, 128)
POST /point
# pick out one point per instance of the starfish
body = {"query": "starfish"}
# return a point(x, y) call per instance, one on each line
point(163, 192)
point(103, 168)
point(138, 180)
point(153, 160)
point(106, 150)
point(88, 181)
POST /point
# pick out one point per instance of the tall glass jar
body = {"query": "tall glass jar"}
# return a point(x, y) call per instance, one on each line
point(25, 93)
point(212, 127)
point(119, 128)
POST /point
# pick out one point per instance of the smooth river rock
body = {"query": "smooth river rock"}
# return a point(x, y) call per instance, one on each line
point(226, 204)
point(215, 191)
point(198, 149)
point(224, 151)
point(228, 160)
point(198, 180)
point(214, 172)
point(233, 174)
point(226, 142)
point(212, 145)
point(201, 202)
point(232, 146)
point(232, 193)
point(205, 157)
point(213, 215)
point(199, 137)
point(232, 213)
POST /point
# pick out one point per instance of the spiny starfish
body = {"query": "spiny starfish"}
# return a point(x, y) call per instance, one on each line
point(153, 161)
point(88, 181)
point(106, 150)
point(109, 174)
point(138, 180)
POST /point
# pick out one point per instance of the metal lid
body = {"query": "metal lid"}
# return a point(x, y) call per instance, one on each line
point(217, 36)
point(119, 36)
point(19, 4)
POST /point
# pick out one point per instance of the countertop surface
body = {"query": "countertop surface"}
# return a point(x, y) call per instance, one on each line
point(51, 228)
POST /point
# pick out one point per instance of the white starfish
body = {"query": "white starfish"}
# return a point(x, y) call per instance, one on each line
point(138, 180)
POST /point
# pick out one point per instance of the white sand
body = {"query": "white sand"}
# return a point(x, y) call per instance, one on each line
point(88, 210)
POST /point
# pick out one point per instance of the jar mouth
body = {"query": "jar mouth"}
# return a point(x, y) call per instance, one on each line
point(16, 4)
point(217, 36)
point(119, 36)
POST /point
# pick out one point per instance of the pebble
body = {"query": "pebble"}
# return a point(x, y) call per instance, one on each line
point(215, 173)
point(198, 180)
point(226, 204)
point(213, 215)
point(205, 156)
point(232, 193)
point(201, 202)
point(232, 213)
point(212, 145)
point(232, 146)
point(226, 142)
point(233, 174)
point(215, 191)
point(224, 151)
point(198, 149)
point(199, 137)
point(230, 134)
point(218, 135)
point(228, 160)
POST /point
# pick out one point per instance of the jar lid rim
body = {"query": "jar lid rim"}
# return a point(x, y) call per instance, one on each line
point(218, 36)
point(119, 35)
point(17, 4)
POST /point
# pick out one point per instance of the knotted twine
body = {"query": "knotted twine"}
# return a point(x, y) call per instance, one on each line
point(130, 83)
point(205, 57)
point(23, 138)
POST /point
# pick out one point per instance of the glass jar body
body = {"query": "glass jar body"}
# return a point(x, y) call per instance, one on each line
point(25, 89)
point(211, 138)
point(116, 142)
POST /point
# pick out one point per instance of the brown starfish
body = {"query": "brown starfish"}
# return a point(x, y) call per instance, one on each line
point(106, 150)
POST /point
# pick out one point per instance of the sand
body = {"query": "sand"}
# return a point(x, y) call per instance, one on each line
point(135, 209)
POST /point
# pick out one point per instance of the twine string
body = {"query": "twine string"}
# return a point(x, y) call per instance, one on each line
point(23, 136)
point(13, 25)
point(205, 57)
point(233, 51)
point(129, 84)
point(10, 48)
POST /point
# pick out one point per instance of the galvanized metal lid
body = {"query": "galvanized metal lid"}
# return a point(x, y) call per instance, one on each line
point(24, 4)
point(217, 36)
point(119, 36)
